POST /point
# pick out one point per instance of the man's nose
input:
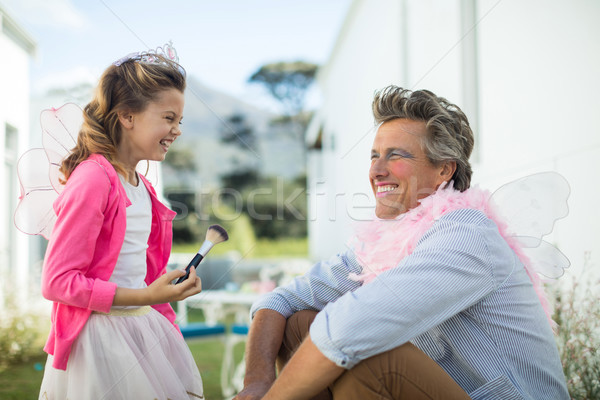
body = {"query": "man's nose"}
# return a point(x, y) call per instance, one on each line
point(378, 168)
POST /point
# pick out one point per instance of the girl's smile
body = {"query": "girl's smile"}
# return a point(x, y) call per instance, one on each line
point(148, 135)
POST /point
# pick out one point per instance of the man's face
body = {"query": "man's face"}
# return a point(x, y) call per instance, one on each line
point(400, 172)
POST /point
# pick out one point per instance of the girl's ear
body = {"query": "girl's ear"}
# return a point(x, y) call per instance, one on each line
point(126, 119)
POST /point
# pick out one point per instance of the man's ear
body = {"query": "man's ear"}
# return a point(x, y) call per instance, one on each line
point(447, 171)
point(126, 119)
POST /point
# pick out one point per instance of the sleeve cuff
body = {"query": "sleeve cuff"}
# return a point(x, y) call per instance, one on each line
point(272, 301)
point(103, 294)
point(319, 334)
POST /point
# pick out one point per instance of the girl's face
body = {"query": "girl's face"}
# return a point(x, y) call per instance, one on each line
point(147, 135)
point(400, 173)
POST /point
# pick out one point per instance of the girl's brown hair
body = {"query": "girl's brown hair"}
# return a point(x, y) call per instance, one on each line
point(128, 87)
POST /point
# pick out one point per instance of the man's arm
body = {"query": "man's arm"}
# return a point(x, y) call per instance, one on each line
point(324, 283)
point(327, 281)
point(264, 340)
point(306, 374)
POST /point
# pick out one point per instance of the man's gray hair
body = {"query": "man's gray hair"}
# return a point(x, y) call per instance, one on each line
point(449, 136)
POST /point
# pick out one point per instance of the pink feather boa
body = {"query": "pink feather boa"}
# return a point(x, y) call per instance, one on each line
point(381, 244)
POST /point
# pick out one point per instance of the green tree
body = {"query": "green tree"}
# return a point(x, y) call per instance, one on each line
point(287, 82)
point(181, 159)
point(239, 133)
point(277, 207)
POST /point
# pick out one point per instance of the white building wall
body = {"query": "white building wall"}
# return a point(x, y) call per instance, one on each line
point(432, 46)
point(16, 49)
point(526, 73)
point(356, 68)
point(538, 101)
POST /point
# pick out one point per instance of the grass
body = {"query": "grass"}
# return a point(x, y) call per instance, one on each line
point(209, 356)
point(22, 381)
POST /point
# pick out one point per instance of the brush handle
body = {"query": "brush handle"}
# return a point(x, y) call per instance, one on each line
point(205, 248)
point(195, 261)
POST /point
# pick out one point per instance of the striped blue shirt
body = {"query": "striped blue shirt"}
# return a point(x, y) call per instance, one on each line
point(462, 297)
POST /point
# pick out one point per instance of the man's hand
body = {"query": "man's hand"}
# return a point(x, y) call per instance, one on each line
point(253, 391)
point(306, 374)
point(264, 340)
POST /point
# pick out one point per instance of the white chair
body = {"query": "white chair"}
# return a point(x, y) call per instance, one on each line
point(232, 376)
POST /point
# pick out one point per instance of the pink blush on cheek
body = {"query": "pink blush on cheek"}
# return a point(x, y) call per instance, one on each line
point(401, 170)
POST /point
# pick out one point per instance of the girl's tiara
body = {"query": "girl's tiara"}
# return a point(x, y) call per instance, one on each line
point(167, 51)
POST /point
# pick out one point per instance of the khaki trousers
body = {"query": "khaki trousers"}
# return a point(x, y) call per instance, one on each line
point(401, 373)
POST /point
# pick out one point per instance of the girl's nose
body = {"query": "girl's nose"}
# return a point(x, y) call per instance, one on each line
point(176, 131)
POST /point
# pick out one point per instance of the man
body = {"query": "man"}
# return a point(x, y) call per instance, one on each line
point(431, 302)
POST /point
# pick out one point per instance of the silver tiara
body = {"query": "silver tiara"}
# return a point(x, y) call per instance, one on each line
point(167, 51)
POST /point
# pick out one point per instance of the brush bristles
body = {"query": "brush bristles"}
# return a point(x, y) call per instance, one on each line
point(216, 234)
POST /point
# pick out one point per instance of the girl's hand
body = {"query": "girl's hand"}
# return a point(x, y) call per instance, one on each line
point(163, 291)
point(160, 291)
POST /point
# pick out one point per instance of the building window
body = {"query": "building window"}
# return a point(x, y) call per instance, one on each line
point(8, 245)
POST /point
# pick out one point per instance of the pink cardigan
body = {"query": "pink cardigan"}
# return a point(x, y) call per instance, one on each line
point(84, 246)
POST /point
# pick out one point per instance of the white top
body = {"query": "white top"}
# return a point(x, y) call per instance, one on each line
point(130, 270)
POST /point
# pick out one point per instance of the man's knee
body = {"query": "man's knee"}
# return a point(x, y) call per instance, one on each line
point(296, 329)
point(299, 323)
point(404, 372)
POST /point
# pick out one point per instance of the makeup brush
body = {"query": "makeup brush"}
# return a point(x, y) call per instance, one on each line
point(214, 235)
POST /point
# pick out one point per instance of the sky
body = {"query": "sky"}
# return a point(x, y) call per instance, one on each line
point(221, 43)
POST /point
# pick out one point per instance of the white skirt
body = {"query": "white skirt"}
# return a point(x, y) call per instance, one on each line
point(127, 354)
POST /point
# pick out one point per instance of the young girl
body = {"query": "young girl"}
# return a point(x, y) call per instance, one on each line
point(113, 334)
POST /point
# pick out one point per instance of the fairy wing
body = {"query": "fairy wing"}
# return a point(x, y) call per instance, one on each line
point(60, 128)
point(38, 169)
point(530, 206)
point(34, 214)
point(545, 258)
